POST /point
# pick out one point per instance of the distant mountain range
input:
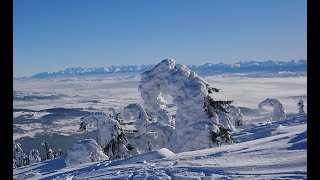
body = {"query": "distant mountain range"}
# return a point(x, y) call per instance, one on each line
point(205, 69)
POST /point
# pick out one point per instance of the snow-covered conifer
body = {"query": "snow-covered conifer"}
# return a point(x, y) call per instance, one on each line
point(21, 159)
point(85, 151)
point(220, 135)
point(235, 114)
point(34, 156)
point(278, 110)
point(137, 113)
point(48, 149)
point(163, 134)
point(14, 163)
point(300, 107)
point(111, 136)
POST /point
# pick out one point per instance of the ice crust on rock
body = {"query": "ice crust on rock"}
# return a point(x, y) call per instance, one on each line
point(188, 91)
point(278, 110)
point(85, 151)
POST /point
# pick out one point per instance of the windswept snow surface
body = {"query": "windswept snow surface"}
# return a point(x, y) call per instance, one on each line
point(271, 150)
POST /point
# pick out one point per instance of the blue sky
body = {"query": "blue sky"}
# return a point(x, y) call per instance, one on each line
point(52, 35)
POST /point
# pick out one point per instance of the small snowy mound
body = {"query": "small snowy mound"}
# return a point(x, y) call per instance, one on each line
point(278, 110)
point(85, 151)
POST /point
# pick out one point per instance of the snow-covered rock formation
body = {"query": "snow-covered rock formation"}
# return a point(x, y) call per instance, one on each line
point(278, 110)
point(111, 137)
point(300, 107)
point(34, 156)
point(191, 96)
point(85, 151)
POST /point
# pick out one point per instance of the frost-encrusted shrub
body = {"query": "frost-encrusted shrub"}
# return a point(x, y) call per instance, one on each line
point(278, 110)
point(34, 156)
point(85, 151)
point(196, 109)
point(111, 136)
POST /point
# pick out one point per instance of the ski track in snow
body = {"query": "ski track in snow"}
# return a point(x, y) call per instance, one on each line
point(262, 150)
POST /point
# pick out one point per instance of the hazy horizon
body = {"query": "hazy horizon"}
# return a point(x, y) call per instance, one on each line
point(153, 64)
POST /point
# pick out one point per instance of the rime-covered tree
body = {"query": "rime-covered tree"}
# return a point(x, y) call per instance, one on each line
point(150, 135)
point(48, 149)
point(21, 159)
point(196, 108)
point(278, 110)
point(300, 107)
point(235, 114)
point(111, 136)
point(14, 163)
point(34, 156)
point(219, 135)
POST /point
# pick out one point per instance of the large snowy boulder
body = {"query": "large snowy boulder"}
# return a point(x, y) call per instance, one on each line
point(278, 110)
point(189, 92)
point(85, 151)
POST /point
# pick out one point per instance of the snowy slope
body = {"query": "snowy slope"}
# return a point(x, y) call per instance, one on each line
point(262, 150)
